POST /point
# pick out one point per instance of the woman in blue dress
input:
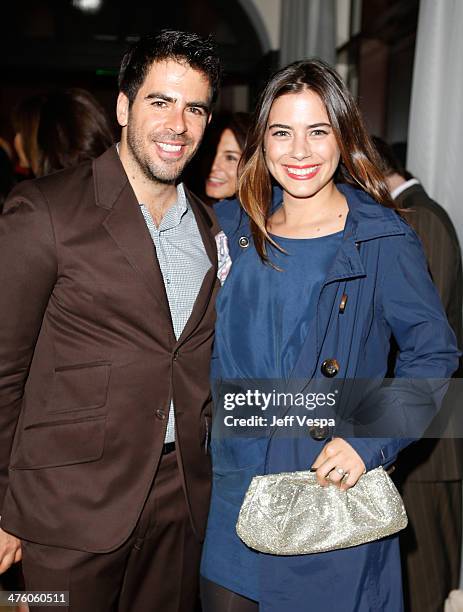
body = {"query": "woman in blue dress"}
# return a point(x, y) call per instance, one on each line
point(324, 272)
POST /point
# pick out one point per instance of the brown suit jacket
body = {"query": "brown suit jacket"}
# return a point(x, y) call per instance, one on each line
point(431, 459)
point(89, 361)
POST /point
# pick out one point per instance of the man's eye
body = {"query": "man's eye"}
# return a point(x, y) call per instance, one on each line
point(158, 103)
point(196, 110)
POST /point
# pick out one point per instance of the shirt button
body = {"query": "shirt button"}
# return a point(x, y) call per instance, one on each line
point(243, 242)
point(329, 368)
point(168, 281)
point(160, 414)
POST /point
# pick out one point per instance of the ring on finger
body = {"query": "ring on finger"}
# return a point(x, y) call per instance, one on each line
point(340, 471)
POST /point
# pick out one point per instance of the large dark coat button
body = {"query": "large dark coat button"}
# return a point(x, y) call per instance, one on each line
point(329, 368)
point(243, 242)
point(319, 433)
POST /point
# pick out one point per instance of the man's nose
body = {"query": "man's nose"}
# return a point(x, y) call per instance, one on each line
point(216, 165)
point(176, 121)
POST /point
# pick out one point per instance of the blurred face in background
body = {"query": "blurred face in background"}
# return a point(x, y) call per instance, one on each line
point(221, 182)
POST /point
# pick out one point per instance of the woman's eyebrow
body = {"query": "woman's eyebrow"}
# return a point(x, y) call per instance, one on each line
point(279, 125)
point(288, 127)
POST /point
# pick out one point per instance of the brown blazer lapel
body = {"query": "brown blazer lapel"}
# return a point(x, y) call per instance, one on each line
point(208, 228)
point(125, 223)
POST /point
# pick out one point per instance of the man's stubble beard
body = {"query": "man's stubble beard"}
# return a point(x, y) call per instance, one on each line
point(151, 170)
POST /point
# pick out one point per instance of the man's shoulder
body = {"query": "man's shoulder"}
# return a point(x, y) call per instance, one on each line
point(417, 198)
point(64, 179)
point(94, 181)
point(50, 190)
point(425, 213)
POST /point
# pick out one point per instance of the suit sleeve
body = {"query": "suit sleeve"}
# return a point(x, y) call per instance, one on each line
point(410, 306)
point(443, 254)
point(28, 270)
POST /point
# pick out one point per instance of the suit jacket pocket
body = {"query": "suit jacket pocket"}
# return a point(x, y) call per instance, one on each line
point(79, 387)
point(59, 443)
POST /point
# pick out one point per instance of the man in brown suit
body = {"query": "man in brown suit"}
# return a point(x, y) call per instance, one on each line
point(430, 472)
point(108, 274)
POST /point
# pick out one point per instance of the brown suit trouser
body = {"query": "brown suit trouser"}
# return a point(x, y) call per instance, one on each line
point(155, 570)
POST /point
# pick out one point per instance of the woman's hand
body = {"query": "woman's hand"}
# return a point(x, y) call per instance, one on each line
point(339, 464)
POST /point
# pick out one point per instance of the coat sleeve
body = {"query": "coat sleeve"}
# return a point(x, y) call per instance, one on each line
point(28, 272)
point(410, 306)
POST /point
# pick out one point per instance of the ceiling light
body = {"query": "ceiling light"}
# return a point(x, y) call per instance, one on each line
point(88, 6)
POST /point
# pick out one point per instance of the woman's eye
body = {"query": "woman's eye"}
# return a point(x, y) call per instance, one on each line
point(232, 158)
point(318, 133)
point(280, 133)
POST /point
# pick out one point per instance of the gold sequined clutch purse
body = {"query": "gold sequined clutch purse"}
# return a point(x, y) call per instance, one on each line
point(291, 514)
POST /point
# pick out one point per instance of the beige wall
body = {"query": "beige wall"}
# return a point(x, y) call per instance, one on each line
point(265, 14)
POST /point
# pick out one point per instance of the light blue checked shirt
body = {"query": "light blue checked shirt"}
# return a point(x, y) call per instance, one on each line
point(183, 261)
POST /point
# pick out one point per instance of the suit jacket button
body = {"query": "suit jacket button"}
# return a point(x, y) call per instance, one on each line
point(319, 433)
point(175, 355)
point(329, 368)
point(161, 415)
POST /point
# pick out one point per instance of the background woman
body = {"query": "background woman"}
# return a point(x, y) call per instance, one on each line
point(324, 272)
point(60, 130)
point(222, 180)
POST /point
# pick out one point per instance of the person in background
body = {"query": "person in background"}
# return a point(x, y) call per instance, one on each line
point(222, 180)
point(26, 117)
point(60, 130)
point(7, 178)
point(430, 472)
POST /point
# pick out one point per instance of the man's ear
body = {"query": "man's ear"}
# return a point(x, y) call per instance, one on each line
point(122, 109)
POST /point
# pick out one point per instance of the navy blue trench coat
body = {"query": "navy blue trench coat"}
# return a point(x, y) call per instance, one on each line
point(381, 269)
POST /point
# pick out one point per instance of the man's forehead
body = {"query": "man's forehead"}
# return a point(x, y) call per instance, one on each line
point(176, 78)
point(173, 69)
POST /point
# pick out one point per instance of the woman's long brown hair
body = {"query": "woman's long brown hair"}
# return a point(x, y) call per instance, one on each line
point(359, 163)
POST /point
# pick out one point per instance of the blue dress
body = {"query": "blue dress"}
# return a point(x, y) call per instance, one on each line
point(381, 270)
point(275, 310)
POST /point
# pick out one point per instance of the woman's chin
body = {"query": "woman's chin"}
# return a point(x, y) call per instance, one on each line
point(218, 194)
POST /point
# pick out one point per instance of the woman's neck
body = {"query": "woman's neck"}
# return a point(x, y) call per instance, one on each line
point(322, 214)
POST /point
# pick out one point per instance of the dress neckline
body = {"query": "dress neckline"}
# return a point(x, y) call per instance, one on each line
point(277, 238)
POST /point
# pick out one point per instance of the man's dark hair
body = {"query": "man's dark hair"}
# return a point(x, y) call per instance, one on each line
point(183, 47)
point(389, 164)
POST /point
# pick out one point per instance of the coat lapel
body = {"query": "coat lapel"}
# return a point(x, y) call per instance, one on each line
point(207, 229)
point(366, 221)
point(126, 225)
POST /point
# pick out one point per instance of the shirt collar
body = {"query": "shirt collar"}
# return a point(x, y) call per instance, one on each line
point(398, 190)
